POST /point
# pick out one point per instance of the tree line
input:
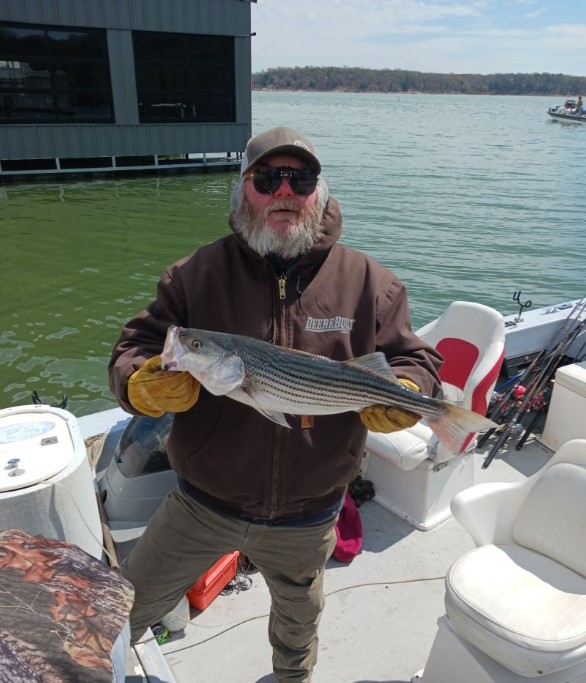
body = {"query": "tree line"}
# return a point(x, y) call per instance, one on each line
point(354, 79)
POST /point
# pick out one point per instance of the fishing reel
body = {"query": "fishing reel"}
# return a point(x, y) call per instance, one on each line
point(504, 401)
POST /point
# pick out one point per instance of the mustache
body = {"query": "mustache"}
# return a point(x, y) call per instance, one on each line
point(281, 205)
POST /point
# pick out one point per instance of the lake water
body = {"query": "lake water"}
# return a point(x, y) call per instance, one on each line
point(464, 197)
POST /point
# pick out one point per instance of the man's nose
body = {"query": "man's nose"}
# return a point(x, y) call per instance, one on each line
point(284, 189)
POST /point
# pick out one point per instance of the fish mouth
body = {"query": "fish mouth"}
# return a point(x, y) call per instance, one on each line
point(167, 362)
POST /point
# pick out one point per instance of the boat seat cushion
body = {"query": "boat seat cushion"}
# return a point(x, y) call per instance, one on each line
point(407, 448)
point(65, 614)
point(552, 520)
point(404, 449)
point(523, 609)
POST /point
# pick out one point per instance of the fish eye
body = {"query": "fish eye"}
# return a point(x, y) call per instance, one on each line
point(196, 344)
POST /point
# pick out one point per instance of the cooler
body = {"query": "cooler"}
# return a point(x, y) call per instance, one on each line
point(210, 584)
point(46, 484)
point(566, 416)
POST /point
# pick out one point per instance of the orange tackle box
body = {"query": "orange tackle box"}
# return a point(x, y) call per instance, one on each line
point(210, 584)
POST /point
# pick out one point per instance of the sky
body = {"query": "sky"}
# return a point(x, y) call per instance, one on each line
point(440, 36)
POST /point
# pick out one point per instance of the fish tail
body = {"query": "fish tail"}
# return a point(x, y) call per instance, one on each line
point(455, 425)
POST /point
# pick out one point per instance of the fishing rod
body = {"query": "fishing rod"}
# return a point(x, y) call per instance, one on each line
point(520, 408)
point(551, 349)
point(540, 409)
point(580, 354)
point(537, 388)
point(539, 397)
point(544, 389)
point(504, 405)
point(546, 371)
point(543, 375)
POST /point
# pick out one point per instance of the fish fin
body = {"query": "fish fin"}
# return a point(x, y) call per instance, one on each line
point(453, 426)
point(279, 418)
point(374, 363)
point(244, 394)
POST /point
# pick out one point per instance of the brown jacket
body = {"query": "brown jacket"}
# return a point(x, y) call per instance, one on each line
point(333, 301)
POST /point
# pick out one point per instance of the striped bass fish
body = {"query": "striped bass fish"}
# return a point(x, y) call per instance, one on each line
point(277, 381)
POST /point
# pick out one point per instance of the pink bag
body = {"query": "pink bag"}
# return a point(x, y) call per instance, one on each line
point(348, 532)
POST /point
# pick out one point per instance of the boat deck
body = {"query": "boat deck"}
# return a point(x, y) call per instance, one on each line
point(381, 609)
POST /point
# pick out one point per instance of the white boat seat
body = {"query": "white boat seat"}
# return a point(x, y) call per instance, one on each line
point(471, 338)
point(414, 476)
point(520, 596)
point(532, 622)
point(407, 448)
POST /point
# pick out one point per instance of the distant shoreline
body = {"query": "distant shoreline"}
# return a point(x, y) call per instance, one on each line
point(412, 92)
point(398, 81)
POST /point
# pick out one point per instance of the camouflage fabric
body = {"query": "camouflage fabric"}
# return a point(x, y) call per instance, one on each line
point(62, 611)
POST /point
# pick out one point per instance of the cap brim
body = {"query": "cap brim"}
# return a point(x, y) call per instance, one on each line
point(293, 150)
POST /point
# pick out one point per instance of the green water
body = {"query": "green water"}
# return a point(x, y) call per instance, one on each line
point(463, 197)
point(81, 259)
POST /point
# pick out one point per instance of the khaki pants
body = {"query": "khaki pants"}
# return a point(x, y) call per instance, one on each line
point(184, 539)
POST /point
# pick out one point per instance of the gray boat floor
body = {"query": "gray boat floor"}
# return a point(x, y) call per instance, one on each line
point(381, 609)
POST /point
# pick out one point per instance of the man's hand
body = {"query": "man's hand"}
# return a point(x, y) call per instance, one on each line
point(153, 391)
point(387, 420)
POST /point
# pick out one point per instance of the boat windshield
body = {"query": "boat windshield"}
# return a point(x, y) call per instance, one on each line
point(142, 448)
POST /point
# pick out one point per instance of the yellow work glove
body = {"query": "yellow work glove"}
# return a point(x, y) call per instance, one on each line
point(153, 391)
point(380, 419)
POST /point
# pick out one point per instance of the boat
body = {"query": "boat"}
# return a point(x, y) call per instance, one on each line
point(568, 112)
point(385, 616)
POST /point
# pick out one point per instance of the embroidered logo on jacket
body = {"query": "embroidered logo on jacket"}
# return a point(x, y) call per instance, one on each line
point(336, 324)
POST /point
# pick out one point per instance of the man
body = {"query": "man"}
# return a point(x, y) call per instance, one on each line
point(246, 483)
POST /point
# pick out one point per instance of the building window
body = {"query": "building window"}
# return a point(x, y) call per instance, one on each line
point(54, 75)
point(184, 78)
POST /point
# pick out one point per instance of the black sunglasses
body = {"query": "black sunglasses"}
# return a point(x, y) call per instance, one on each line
point(267, 179)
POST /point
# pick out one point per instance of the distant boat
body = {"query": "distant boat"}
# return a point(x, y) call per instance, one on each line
point(568, 112)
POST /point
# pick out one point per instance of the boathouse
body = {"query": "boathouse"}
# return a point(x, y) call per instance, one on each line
point(123, 85)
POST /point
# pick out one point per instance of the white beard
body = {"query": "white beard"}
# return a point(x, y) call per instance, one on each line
point(299, 236)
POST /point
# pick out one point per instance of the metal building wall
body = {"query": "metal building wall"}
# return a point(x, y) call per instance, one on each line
point(126, 137)
point(222, 17)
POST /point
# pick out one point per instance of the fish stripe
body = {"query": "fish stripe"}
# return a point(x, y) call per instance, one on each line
point(293, 382)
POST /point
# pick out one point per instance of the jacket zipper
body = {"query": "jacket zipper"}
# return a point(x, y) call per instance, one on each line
point(281, 283)
point(281, 286)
